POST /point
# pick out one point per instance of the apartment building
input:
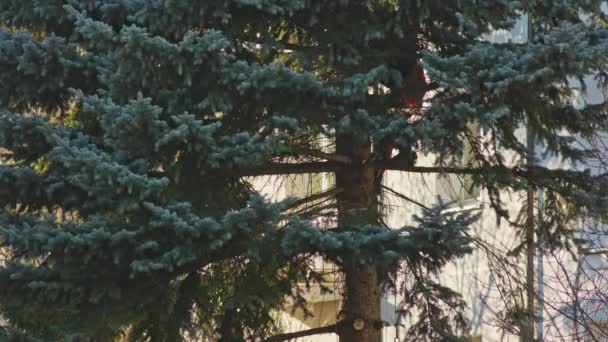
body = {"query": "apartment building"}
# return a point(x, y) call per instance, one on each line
point(569, 287)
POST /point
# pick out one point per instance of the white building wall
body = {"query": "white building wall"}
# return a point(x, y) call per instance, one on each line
point(475, 276)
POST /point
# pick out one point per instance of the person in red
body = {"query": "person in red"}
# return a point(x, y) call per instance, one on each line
point(412, 93)
point(413, 90)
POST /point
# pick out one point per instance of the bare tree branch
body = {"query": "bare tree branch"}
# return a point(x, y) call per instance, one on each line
point(396, 165)
point(324, 155)
point(315, 331)
point(270, 169)
point(402, 196)
point(316, 211)
point(317, 196)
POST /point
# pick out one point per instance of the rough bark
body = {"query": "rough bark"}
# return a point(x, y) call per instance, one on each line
point(357, 205)
point(528, 326)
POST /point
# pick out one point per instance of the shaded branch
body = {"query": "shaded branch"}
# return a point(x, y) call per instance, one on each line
point(396, 165)
point(316, 211)
point(324, 155)
point(402, 196)
point(320, 195)
point(270, 169)
point(315, 331)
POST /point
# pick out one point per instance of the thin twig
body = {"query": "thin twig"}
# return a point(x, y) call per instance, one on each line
point(402, 196)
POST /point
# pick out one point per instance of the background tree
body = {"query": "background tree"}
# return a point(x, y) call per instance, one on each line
point(129, 129)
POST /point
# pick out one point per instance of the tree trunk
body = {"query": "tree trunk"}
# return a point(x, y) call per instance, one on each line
point(357, 205)
point(361, 304)
point(528, 326)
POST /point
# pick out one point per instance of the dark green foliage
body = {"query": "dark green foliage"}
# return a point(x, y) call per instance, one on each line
point(126, 128)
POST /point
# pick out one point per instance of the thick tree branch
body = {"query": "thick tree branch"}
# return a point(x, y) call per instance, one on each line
point(314, 197)
point(315, 331)
point(270, 169)
point(330, 166)
point(396, 165)
point(324, 155)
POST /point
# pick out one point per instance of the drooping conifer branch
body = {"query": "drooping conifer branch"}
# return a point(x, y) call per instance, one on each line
point(166, 104)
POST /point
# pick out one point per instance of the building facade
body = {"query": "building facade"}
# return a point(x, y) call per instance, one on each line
point(569, 306)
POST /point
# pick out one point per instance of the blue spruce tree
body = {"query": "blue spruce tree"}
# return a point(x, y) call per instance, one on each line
point(129, 131)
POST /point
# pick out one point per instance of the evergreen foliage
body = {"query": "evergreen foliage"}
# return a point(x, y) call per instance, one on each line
point(128, 127)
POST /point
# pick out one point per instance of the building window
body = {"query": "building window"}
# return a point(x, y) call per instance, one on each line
point(461, 190)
